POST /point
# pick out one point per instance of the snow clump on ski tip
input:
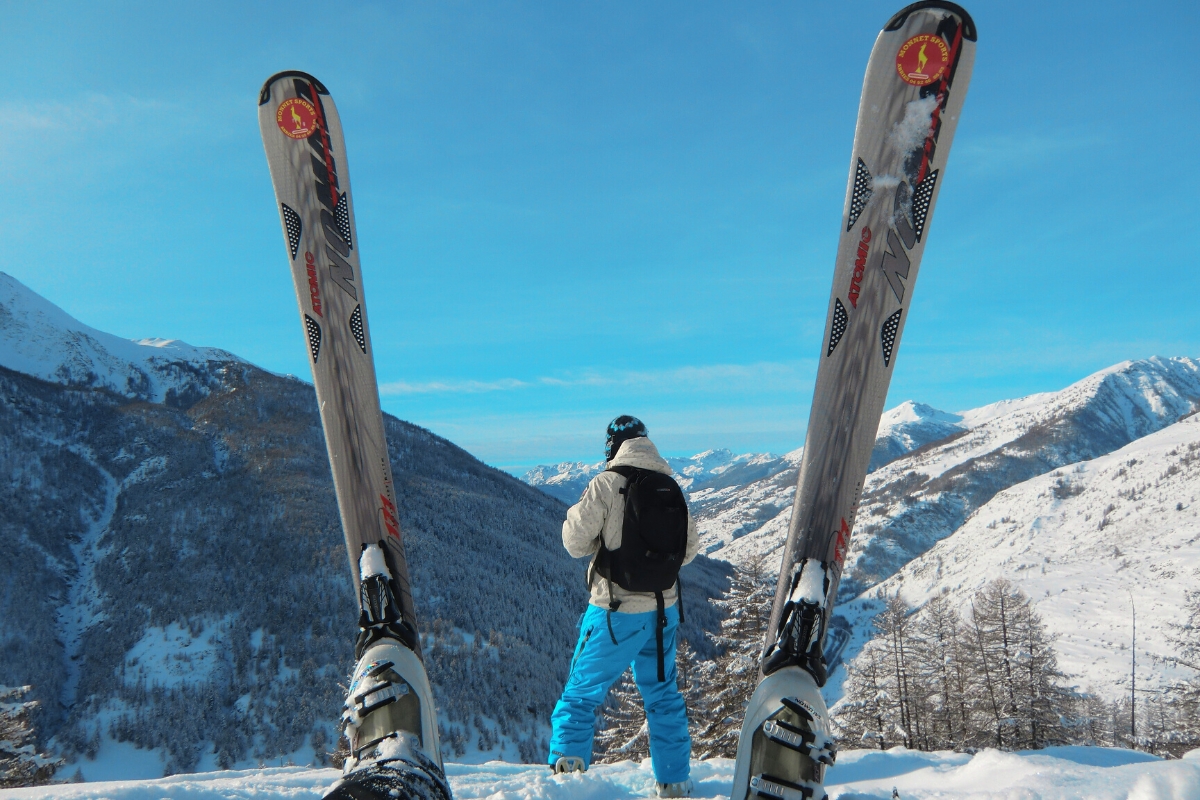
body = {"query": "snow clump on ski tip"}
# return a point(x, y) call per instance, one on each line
point(910, 132)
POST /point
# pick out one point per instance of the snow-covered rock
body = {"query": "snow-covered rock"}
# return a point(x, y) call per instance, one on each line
point(40, 339)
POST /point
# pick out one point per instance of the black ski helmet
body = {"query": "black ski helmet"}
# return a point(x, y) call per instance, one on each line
point(621, 430)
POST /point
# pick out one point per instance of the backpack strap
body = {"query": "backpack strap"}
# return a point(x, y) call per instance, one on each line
point(679, 597)
point(659, 627)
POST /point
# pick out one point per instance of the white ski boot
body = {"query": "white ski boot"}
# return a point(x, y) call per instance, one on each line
point(389, 718)
point(568, 764)
point(785, 743)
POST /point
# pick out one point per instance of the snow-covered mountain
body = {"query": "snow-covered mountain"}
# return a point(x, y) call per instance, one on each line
point(40, 339)
point(920, 498)
point(1085, 542)
point(909, 426)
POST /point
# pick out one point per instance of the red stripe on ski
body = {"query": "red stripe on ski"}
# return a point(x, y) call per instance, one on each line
point(333, 187)
point(943, 93)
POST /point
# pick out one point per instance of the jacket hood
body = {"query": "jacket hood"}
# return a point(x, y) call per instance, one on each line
point(640, 453)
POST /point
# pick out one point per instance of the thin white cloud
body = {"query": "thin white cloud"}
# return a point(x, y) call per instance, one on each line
point(451, 387)
point(1006, 153)
point(763, 376)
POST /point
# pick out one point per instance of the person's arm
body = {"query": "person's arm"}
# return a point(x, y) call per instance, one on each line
point(693, 541)
point(585, 520)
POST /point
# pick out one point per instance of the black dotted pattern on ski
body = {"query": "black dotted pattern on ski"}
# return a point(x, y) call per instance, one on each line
point(293, 226)
point(356, 327)
point(888, 335)
point(840, 320)
point(862, 193)
point(314, 336)
point(342, 214)
point(419, 779)
point(920, 202)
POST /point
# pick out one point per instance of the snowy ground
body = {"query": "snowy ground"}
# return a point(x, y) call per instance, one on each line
point(1053, 774)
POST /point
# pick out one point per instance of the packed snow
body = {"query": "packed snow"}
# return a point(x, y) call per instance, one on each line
point(1057, 773)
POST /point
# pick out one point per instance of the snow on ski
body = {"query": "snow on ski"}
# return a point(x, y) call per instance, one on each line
point(389, 717)
point(912, 95)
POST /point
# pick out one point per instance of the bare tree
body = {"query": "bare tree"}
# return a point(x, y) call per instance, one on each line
point(732, 677)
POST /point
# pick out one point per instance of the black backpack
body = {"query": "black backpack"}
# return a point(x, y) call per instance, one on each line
point(653, 542)
point(653, 535)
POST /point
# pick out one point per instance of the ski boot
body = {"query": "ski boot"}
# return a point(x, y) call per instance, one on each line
point(389, 720)
point(568, 764)
point(677, 789)
point(785, 743)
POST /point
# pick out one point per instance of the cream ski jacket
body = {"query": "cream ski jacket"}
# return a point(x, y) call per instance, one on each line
point(601, 512)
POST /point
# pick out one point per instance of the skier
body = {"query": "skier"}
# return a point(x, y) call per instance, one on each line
point(634, 611)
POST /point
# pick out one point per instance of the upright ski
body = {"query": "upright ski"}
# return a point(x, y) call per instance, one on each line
point(389, 719)
point(912, 95)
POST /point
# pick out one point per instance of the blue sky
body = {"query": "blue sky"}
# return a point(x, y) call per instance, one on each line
point(569, 211)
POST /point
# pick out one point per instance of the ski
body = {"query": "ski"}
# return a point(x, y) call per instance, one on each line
point(912, 95)
point(389, 719)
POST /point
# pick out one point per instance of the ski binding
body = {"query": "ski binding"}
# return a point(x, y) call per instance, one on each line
point(785, 743)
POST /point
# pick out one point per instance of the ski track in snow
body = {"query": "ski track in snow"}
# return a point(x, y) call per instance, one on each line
point(1057, 773)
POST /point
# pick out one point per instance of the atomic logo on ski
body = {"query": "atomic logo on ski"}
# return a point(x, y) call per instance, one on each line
point(296, 117)
point(922, 59)
point(314, 289)
point(860, 264)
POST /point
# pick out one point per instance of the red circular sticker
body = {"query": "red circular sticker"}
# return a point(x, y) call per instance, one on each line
point(297, 118)
point(922, 59)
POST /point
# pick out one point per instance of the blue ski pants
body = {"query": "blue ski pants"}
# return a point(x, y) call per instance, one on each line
point(598, 663)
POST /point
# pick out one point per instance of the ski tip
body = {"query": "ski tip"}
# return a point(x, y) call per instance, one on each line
point(968, 24)
point(265, 94)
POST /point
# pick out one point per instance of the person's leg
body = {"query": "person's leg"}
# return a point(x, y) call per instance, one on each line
point(597, 664)
point(666, 714)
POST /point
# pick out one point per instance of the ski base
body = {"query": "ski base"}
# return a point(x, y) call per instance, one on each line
point(413, 778)
point(785, 743)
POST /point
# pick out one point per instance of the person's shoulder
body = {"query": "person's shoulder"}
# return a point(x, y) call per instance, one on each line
point(604, 481)
point(607, 477)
